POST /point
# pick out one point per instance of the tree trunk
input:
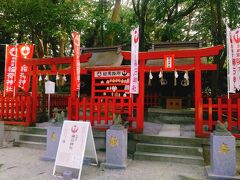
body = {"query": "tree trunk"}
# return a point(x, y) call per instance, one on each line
point(115, 18)
point(218, 38)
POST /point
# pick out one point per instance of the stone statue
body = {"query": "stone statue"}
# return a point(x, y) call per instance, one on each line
point(57, 117)
point(221, 129)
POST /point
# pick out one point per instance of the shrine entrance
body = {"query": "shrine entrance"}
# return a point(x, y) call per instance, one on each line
point(169, 92)
point(169, 57)
point(53, 68)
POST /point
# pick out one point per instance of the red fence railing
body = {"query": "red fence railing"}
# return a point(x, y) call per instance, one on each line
point(222, 109)
point(151, 100)
point(16, 110)
point(56, 100)
point(100, 111)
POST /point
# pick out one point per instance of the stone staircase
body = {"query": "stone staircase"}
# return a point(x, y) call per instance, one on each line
point(169, 149)
point(170, 116)
point(36, 137)
point(169, 137)
point(33, 137)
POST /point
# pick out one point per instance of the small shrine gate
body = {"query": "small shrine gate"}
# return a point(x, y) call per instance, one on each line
point(202, 106)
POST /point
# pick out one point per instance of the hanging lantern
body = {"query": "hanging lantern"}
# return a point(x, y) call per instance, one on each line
point(150, 79)
point(175, 77)
point(40, 78)
point(46, 78)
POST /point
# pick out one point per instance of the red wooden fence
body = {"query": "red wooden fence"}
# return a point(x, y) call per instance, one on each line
point(56, 100)
point(100, 110)
point(222, 109)
point(151, 100)
point(16, 110)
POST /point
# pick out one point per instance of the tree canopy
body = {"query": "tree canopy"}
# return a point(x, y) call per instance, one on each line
point(49, 23)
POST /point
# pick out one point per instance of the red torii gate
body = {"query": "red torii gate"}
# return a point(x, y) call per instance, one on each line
point(53, 62)
point(197, 67)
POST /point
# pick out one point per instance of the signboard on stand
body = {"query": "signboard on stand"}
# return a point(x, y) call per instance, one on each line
point(76, 142)
point(49, 89)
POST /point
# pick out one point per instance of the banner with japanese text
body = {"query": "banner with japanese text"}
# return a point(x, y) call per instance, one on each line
point(233, 55)
point(76, 61)
point(134, 84)
point(10, 70)
point(23, 79)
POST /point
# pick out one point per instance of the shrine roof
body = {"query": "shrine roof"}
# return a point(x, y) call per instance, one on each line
point(104, 56)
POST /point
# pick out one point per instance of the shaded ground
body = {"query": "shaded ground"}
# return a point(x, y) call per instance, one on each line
point(24, 164)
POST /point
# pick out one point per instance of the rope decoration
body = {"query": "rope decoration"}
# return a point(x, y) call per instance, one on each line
point(150, 79)
point(162, 80)
point(175, 77)
point(185, 81)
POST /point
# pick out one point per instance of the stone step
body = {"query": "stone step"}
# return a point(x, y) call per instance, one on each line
point(38, 138)
point(33, 138)
point(35, 130)
point(173, 112)
point(31, 144)
point(171, 116)
point(169, 119)
point(177, 141)
point(194, 160)
point(169, 149)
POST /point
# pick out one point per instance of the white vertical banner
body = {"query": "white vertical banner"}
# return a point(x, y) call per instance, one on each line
point(233, 55)
point(134, 85)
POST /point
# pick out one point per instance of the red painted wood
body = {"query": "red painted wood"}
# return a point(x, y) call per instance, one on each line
point(106, 111)
point(198, 94)
point(202, 52)
point(98, 111)
point(199, 123)
point(55, 60)
point(22, 99)
point(229, 101)
point(219, 106)
point(70, 108)
point(92, 107)
point(84, 109)
point(140, 99)
point(28, 111)
point(77, 109)
point(210, 120)
point(34, 95)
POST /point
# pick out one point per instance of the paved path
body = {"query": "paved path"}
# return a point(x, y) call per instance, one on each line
point(19, 163)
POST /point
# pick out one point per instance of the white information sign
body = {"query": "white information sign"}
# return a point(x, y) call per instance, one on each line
point(49, 87)
point(116, 73)
point(76, 142)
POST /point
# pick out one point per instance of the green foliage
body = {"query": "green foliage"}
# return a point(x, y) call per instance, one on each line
point(52, 21)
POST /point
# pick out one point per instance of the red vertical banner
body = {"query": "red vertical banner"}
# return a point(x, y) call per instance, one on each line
point(10, 70)
point(76, 61)
point(23, 79)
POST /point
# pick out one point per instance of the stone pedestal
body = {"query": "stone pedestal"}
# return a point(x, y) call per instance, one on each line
point(53, 137)
point(116, 148)
point(1, 133)
point(223, 157)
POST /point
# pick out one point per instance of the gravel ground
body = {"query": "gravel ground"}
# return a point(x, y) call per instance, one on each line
point(20, 163)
